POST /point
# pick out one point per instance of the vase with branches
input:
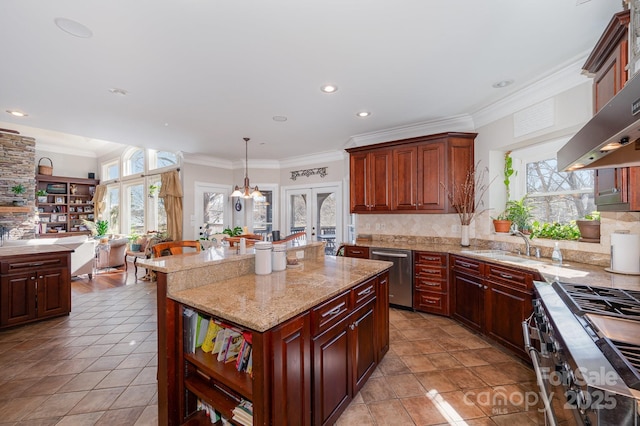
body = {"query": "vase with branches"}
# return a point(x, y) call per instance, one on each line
point(466, 197)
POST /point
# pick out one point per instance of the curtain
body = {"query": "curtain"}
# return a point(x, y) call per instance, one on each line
point(171, 193)
point(98, 200)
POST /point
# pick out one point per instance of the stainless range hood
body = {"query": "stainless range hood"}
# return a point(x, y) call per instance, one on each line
point(611, 138)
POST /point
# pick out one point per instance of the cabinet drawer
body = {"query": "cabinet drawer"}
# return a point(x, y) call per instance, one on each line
point(364, 292)
point(424, 257)
point(29, 263)
point(329, 313)
point(466, 264)
point(355, 251)
point(430, 272)
point(430, 284)
point(515, 277)
point(426, 301)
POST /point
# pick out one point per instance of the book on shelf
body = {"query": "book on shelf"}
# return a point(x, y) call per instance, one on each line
point(202, 324)
point(210, 337)
point(243, 356)
point(243, 413)
point(230, 345)
point(189, 325)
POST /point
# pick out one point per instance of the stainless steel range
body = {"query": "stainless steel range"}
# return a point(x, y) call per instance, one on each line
point(584, 342)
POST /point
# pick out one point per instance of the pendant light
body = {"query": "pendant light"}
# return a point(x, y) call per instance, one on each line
point(246, 191)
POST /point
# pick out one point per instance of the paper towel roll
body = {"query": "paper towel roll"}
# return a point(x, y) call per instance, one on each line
point(625, 253)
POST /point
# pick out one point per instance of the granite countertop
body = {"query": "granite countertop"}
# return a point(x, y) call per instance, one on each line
point(33, 249)
point(261, 302)
point(570, 272)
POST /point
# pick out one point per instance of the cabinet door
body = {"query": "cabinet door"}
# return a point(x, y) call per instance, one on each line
point(404, 178)
point(292, 373)
point(362, 328)
point(468, 300)
point(17, 298)
point(54, 293)
point(358, 171)
point(431, 173)
point(460, 155)
point(380, 180)
point(356, 251)
point(331, 373)
point(506, 308)
point(382, 295)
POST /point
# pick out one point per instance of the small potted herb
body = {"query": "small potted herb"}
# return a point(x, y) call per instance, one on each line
point(134, 243)
point(589, 228)
point(519, 212)
point(42, 196)
point(18, 190)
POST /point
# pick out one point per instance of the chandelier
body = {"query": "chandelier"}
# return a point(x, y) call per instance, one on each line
point(246, 191)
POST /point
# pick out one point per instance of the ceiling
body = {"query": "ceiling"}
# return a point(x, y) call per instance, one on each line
point(200, 75)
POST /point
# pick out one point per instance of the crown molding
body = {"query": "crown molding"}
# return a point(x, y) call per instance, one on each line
point(313, 159)
point(257, 164)
point(457, 123)
point(207, 160)
point(563, 79)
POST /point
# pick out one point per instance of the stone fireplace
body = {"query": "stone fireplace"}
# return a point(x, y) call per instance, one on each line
point(18, 165)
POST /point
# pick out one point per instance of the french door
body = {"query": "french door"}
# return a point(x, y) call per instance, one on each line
point(317, 211)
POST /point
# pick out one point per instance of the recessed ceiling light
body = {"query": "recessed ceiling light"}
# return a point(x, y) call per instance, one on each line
point(17, 113)
point(280, 118)
point(74, 28)
point(117, 91)
point(363, 114)
point(329, 88)
point(501, 84)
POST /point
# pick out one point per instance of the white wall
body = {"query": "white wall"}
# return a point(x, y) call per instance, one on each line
point(68, 165)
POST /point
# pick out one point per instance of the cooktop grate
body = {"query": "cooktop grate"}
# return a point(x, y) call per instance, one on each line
point(607, 301)
point(625, 359)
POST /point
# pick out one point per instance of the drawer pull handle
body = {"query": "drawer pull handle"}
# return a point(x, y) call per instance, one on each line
point(365, 291)
point(334, 311)
point(466, 265)
point(431, 258)
point(507, 276)
point(433, 302)
point(432, 284)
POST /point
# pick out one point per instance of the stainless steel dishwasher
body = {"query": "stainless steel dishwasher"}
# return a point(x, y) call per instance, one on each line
point(400, 275)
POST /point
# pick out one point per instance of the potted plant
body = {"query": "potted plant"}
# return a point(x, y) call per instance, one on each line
point(502, 223)
point(18, 190)
point(101, 228)
point(42, 196)
point(134, 244)
point(589, 228)
point(519, 213)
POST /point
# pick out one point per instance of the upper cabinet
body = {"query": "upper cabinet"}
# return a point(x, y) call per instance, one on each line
point(616, 189)
point(409, 175)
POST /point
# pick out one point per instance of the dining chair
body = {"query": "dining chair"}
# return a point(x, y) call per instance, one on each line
point(174, 247)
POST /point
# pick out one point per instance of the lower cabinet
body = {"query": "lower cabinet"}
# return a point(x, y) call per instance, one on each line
point(34, 287)
point(305, 370)
point(492, 299)
point(431, 283)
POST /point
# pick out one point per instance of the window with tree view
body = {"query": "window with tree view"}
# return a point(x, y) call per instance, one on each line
point(557, 196)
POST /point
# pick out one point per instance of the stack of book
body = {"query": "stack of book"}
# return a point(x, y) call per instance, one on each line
point(243, 413)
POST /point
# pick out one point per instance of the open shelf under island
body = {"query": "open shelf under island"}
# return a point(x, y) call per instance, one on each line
point(317, 333)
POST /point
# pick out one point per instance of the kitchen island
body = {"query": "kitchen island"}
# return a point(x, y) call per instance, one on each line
point(317, 331)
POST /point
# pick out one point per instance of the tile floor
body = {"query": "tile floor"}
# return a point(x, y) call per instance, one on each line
point(98, 367)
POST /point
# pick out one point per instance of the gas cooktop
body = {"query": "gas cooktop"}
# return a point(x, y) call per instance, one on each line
point(614, 316)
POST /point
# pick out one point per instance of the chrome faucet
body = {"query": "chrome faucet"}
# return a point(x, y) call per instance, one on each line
point(514, 231)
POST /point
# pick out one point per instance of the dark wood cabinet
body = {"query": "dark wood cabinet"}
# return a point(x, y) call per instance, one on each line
point(382, 329)
point(34, 287)
point(356, 251)
point(409, 175)
point(292, 373)
point(616, 189)
point(305, 370)
point(492, 299)
point(66, 206)
point(369, 174)
point(431, 283)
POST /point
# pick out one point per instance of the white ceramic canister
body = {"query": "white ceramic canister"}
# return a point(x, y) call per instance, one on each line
point(279, 257)
point(263, 257)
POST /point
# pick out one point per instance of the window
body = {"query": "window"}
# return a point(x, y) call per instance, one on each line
point(263, 213)
point(213, 203)
point(559, 196)
point(134, 202)
point(161, 159)
point(555, 196)
point(112, 208)
point(157, 215)
point(133, 162)
point(111, 170)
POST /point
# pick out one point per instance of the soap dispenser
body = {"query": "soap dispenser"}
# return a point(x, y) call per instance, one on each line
point(556, 256)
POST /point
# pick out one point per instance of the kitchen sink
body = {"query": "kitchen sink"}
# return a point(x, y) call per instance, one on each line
point(503, 256)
